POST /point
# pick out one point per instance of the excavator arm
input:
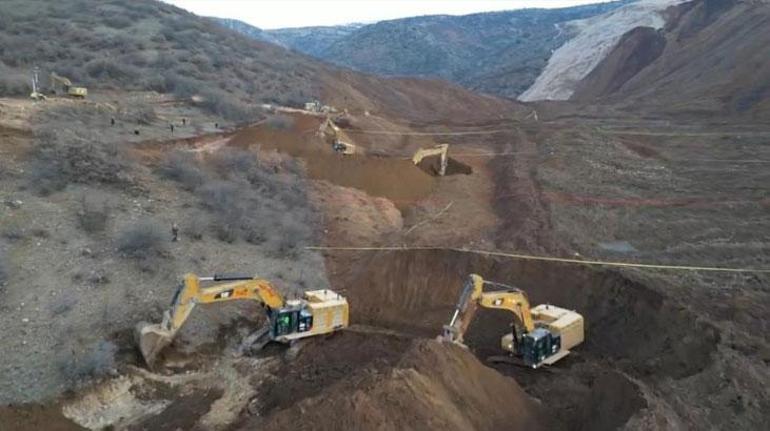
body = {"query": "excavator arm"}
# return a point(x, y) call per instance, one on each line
point(439, 150)
point(152, 338)
point(473, 295)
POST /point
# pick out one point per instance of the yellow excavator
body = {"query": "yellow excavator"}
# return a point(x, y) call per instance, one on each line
point(66, 86)
point(318, 312)
point(36, 95)
point(440, 150)
point(540, 336)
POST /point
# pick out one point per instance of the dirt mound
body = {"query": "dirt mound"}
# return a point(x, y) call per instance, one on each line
point(324, 362)
point(356, 218)
point(395, 179)
point(431, 386)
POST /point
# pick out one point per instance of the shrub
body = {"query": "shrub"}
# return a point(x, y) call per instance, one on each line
point(13, 233)
point(222, 196)
point(104, 70)
point(14, 86)
point(116, 21)
point(195, 228)
point(93, 214)
point(231, 162)
point(182, 168)
point(97, 362)
point(62, 159)
point(226, 106)
point(143, 242)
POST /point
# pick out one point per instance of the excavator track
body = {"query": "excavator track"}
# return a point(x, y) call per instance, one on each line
point(254, 342)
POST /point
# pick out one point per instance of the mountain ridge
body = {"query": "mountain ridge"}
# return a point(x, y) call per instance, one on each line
point(498, 53)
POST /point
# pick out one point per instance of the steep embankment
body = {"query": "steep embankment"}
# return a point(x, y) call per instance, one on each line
point(635, 51)
point(716, 60)
point(595, 38)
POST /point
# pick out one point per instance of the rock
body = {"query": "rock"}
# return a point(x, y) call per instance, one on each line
point(13, 203)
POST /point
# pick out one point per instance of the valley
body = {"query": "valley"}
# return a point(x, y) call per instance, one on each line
point(641, 202)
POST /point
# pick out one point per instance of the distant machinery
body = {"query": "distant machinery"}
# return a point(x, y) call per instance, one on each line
point(64, 85)
point(439, 150)
point(36, 94)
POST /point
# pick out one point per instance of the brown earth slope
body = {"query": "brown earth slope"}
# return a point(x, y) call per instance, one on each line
point(716, 60)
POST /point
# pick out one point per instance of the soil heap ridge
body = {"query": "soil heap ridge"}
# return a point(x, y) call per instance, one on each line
point(432, 386)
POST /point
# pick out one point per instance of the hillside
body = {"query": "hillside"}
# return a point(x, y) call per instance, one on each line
point(149, 45)
point(639, 204)
point(712, 57)
point(90, 188)
point(498, 53)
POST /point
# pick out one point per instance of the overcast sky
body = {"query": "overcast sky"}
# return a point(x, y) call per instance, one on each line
point(300, 13)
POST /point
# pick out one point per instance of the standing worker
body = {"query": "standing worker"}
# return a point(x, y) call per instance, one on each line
point(171, 126)
point(174, 232)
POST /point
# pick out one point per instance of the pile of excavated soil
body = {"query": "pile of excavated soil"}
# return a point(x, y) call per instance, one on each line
point(420, 385)
point(354, 217)
point(396, 179)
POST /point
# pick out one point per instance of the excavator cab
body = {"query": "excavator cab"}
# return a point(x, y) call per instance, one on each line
point(291, 320)
point(537, 345)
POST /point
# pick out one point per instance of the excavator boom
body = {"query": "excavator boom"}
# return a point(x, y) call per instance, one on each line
point(153, 338)
point(321, 311)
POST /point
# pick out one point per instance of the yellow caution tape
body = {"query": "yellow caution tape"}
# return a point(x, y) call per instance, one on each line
point(550, 259)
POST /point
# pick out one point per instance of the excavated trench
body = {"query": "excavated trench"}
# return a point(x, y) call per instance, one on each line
point(432, 166)
point(631, 329)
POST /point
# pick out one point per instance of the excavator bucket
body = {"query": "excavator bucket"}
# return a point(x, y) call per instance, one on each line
point(152, 339)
